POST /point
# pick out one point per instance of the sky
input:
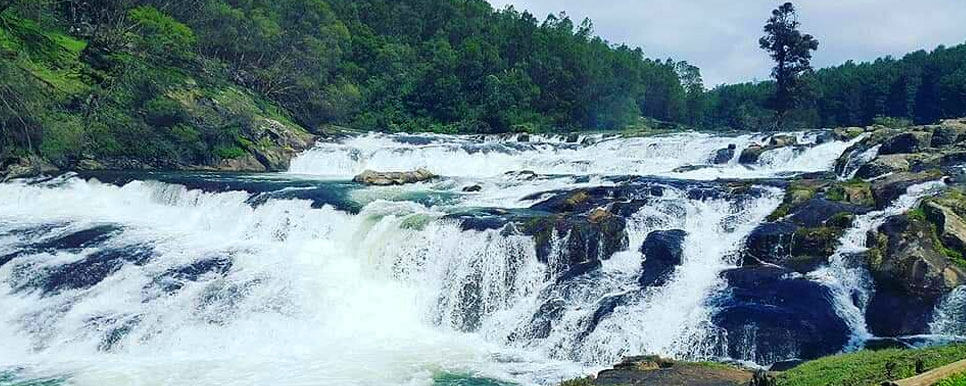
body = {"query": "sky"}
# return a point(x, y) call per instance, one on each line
point(721, 36)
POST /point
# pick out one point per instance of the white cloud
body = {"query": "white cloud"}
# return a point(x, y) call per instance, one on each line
point(721, 36)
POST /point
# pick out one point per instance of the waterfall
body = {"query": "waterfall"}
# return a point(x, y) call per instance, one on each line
point(264, 279)
point(846, 275)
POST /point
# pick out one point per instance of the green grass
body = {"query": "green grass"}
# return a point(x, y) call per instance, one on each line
point(869, 367)
point(955, 380)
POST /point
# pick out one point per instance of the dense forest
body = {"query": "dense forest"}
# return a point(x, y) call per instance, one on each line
point(134, 78)
point(192, 82)
point(921, 88)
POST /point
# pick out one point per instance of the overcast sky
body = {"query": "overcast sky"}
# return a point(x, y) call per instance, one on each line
point(721, 36)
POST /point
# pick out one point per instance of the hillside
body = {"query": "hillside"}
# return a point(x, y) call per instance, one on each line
point(244, 85)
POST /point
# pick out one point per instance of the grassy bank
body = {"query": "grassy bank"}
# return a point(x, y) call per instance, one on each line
point(870, 367)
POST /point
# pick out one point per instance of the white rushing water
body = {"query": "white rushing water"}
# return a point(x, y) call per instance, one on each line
point(178, 286)
point(847, 277)
point(481, 157)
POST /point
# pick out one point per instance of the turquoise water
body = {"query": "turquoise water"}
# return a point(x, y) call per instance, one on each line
point(449, 379)
point(13, 378)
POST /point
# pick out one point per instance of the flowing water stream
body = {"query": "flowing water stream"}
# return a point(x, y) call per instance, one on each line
point(304, 278)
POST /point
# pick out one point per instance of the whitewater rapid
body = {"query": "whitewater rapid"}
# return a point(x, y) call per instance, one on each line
point(303, 278)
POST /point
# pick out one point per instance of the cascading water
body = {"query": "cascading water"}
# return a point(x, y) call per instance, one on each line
point(845, 274)
point(303, 278)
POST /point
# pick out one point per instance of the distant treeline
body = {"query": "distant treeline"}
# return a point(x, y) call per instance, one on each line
point(185, 80)
point(922, 87)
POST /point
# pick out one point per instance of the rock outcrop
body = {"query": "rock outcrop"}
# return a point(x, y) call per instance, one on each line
point(26, 167)
point(375, 178)
point(663, 251)
point(723, 156)
point(784, 315)
point(912, 269)
point(654, 370)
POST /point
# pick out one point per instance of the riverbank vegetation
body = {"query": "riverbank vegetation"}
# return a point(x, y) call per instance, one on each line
point(169, 83)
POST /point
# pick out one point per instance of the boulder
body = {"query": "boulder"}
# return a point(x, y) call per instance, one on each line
point(274, 144)
point(573, 138)
point(950, 226)
point(472, 188)
point(911, 273)
point(375, 178)
point(523, 137)
point(905, 143)
point(847, 133)
point(723, 156)
point(663, 251)
point(654, 370)
point(26, 167)
point(583, 242)
point(751, 154)
point(771, 314)
point(947, 135)
point(769, 243)
point(782, 140)
point(887, 189)
point(884, 164)
point(816, 212)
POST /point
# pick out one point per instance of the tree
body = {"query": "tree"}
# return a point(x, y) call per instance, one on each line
point(792, 52)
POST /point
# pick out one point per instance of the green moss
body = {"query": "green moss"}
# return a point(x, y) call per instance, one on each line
point(869, 367)
point(585, 381)
point(917, 214)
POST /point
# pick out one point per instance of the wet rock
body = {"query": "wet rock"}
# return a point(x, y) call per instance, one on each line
point(847, 133)
point(772, 314)
point(25, 167)
point(573, 138)
point(654, 370)
point(472, 188)
point(782, 140)
point(523, 137)
point(273, 144)
point(582, 243)
point(949, 132)
point(905, 143)
point(174, 279)
point(769, 243)
point(723, 156)
point(89, 271)
point(817, 211)
point(566, 202)
point(370, 177)
point(663, 251)
point(751, 154)
point(887, 189)
point(911, 273)
point(785, 365)
point(689, 168)
point(884, 164)
point(950, 227)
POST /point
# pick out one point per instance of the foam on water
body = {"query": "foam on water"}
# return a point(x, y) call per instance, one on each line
point(846, 276)
point(154, 283)
point(488, 157)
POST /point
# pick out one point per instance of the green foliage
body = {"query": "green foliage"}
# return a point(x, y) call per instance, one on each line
point(955, 380)
point(921, 87)
point(792, 52)
point(161, 35)
point(870, 367)
point(229, 152)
